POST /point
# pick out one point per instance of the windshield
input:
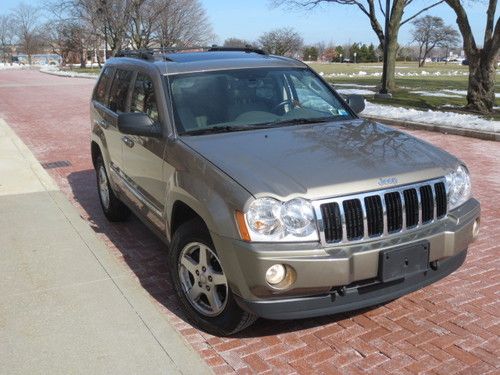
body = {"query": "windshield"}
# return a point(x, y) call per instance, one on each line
point(234, 100)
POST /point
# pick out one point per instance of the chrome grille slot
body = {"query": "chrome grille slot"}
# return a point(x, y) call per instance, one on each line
point(394, 212)
point(382, 213)
point(411, 207)
point(331, 213)
point(353, 218)
point(374, 215)
point(441, 199)
point(427, 203)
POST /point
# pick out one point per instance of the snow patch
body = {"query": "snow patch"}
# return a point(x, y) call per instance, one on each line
point(435, 93)
point(355, 91)
point(451, 119)
point(4, 66)
point(353, 85)
point(451, 93)
point(67, 73)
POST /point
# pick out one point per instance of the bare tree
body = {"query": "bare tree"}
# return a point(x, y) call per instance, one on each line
point(6, 37)
point(184, 23)
point(27, 26)
point(108, 18)
point(430, 32)
point(67, 34)
point(373, 11)
point(481, 89)
point(145, 22)
point(282, 42)
point(236, 42)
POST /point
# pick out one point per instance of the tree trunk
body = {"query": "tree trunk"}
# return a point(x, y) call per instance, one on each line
point(481, 90)
point(83, 58)
point(392, 48)
point(391, 62)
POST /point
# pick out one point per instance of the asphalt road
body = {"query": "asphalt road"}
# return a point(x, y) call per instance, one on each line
point(449, 327)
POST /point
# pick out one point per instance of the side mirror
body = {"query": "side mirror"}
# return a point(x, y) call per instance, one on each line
point(356, 102)
point(138, 123)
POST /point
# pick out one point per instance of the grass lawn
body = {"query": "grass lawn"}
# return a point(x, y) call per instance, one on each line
point(451, 77)
point(95, 70)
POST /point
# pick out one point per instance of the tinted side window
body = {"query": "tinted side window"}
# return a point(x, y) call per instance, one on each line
point(100, 90)
point(119, 90)
point(143, 97)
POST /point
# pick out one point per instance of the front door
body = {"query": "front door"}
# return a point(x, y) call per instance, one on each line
point(143, 163)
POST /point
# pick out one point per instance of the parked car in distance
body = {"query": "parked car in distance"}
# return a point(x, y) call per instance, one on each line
point(273, 197)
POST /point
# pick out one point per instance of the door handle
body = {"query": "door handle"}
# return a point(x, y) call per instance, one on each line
point(128, 141)
point(101, 123)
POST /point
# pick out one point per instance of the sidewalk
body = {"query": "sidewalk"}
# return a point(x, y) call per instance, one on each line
point(66, 305)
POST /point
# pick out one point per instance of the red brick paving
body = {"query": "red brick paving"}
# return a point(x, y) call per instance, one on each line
point(451, 327)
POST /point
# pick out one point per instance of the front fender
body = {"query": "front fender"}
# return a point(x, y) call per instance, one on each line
point(211, 193)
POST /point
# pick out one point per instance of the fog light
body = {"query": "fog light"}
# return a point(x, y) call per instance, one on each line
point(275, 274)
point(475, 229)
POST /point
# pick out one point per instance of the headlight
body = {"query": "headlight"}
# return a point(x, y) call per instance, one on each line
point(263, 217)
point(298, 217)
point(458, 186)
point(271, 220)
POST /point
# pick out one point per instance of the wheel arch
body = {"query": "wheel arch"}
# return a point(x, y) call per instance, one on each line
point(182, 213)
point(95, 151)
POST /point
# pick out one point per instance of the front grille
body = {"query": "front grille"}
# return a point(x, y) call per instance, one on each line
point(382, 213)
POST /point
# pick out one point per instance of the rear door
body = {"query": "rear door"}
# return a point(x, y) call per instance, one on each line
point(103, 117)
point(117, 103)
point(143, 156)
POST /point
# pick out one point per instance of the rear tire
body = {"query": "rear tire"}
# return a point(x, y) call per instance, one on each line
point(114, 209)
point(200, 282)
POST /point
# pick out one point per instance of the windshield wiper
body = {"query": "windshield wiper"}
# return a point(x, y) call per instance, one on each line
point(216, 129)
point(300, 121)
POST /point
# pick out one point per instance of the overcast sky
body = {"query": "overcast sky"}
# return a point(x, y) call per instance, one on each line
point(247, 19)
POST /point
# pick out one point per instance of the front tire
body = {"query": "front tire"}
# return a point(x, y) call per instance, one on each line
point(201, 285)
point(113, 208)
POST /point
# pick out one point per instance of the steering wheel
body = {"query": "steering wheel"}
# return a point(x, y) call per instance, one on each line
point(294, 103)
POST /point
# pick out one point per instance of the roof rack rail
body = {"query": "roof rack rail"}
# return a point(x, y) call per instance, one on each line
point(247, 49)
point(151, 54)
point(139, 54)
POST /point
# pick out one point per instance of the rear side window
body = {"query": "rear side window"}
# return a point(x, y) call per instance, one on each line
point(119, 90)
point(143, 97)
point(100, 91)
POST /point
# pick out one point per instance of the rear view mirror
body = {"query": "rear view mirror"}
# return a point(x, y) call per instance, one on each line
point(138, 123)
point(356, 102)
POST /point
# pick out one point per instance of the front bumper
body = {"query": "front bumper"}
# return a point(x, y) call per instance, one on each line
point(353, 298)
point(319, 271)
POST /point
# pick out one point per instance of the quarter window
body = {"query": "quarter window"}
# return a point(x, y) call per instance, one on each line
point(100, 91)
point(119, 90)
point(143, 97)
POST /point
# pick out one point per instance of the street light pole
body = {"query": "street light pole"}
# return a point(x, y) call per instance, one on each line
point(384, 90)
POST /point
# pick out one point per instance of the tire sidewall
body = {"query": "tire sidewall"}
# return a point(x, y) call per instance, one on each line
point(99, 165)
point(228, 320)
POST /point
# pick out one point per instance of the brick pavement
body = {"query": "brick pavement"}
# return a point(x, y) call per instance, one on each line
point(449, 327)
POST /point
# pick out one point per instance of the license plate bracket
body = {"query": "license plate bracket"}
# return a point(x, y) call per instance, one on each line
point(402, 261)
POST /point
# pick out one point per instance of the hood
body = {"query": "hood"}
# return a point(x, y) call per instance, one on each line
point(323, 160)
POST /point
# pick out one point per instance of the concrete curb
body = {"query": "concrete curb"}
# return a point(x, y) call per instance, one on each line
point(61, 73)
point(10, 164)
point(182, 358)
point(487, 136)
